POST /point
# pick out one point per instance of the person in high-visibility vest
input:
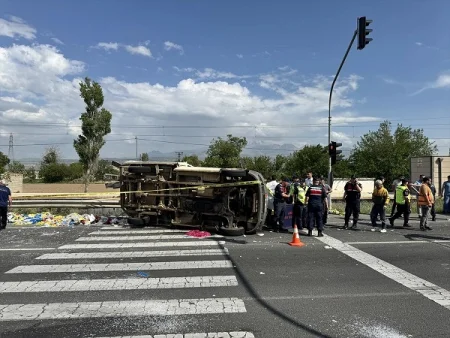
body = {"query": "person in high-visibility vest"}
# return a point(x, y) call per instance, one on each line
point(426, 201)
point(298, 193)
point(403, 201)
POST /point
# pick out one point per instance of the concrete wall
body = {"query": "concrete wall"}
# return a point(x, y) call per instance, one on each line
point(429, 166)
point(14, 182)
point(339, 184)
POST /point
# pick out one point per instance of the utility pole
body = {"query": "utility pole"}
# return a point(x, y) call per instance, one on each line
point(362, 32)
point(136, 139)
point(11, 150)
point(179, 153)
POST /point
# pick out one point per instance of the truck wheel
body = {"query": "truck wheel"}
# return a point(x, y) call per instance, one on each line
point(140, 170)
point(136, 222)
point(239, 231)
point(234, 173)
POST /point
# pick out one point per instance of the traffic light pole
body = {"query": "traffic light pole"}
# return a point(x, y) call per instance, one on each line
point(329, 102)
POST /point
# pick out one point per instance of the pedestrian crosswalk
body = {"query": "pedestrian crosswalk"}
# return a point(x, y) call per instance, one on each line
point(138, 274)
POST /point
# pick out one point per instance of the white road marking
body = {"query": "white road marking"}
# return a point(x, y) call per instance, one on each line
point(429, 290)
point(125, 232)
point(139, 245)
point(173, 307)
point(118, 284)
point(442, 241)
point(27, 249)
point(234, 334)
point(122, 267)
point(391, 242)
point(134, 254)
point(138, 238)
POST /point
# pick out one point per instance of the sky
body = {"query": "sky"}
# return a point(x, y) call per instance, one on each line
point(176, 74)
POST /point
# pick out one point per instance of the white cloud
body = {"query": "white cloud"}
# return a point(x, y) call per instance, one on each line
point(47, 92)
point(16, 27)
point(442, 81)
point(58, 41)
point(239, 56)
point(138, 50)
point(108, 45)
point(135, 50)
point(168, 45)
point(419, 43)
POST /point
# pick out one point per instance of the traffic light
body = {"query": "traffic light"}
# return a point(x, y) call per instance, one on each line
point(363, 32)
point(333, 151)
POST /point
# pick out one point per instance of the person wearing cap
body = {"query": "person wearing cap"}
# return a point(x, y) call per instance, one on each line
point(5, 202)
point(425, 201)
point(298, 195)
point(380, 199)
point(394, 186)
point(352, 197)
point(315, 197)
point(403, 199)
point(279, 204)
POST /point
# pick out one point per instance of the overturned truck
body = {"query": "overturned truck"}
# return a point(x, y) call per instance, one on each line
point(230, 201)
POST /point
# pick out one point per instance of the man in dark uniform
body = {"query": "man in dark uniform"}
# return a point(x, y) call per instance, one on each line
point(279, 204)
point(5, 201)
point(315, 197)
point(433, 206)
point(352, 197)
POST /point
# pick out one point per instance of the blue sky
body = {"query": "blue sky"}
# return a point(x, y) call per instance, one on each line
point(403, 74)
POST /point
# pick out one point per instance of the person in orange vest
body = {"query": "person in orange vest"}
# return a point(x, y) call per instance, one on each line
point(426, 201)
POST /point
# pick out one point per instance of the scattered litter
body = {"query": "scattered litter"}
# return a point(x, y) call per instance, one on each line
point(47, 219)
point(262, 273)
point(334, 320)
point(328, 247)
point(260, 234)
point(244, 236)
point(142, 274)
point(373, 229)
point(198, 233)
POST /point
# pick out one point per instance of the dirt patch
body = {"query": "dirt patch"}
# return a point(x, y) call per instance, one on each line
point(62, 188)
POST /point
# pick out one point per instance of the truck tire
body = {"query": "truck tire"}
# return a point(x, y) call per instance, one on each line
point(136, 222)
point(140, 170)
point(234, 173)
point(239, 231)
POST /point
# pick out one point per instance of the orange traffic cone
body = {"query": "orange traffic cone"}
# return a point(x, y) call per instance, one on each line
point(295, 238)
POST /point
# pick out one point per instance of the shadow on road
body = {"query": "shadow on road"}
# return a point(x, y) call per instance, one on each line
point(424, 237)
point(271, 308)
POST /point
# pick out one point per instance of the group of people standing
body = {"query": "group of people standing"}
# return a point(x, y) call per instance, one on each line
point(310, 200)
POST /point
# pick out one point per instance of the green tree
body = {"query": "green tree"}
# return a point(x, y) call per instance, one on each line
point(388, 153)
point(95, 125)
point(54, 172)
point(225, 153)
point(309, 158)
point(104, 167)
point(29, 176)
point(51, 156)
point(16, 167)
point(192, 160)
point(262, 164)
point(144, 157)
point(74, 171)
point(4, 161)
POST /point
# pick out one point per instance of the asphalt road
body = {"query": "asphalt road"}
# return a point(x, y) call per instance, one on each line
point(107, 282)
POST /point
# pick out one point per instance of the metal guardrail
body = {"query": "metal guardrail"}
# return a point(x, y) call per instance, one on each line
point(64, 203)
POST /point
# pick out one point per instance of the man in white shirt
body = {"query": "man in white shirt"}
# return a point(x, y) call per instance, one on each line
point(309, 179)
point(271, 186)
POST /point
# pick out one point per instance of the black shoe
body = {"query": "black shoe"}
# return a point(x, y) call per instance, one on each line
point(422, 228)
point(320, 233)
point(434, 219)
point(407, 226)
point(391, 222)
point(345, 226)
point(354, 225)
point(310, 233)
point(428, 228)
